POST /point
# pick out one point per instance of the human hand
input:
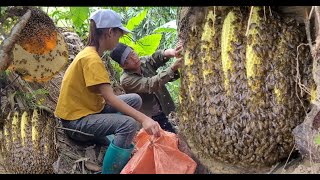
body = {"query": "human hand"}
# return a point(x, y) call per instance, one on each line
point(177, 64)
point(178, 50)
point(151, 127)
point(169, 53)
point(180, 43)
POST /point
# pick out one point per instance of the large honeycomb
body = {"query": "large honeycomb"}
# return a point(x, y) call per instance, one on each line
point(41, 51)
point(239, 95)
point(27, 143)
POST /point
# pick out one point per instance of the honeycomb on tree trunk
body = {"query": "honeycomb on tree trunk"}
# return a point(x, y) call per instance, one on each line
point(41, 51)
point(27, 143)
point(238, 95)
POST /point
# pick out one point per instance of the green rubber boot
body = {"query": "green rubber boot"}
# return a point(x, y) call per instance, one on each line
point(115, 159)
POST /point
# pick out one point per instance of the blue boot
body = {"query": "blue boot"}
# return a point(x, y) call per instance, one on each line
point(115, 159)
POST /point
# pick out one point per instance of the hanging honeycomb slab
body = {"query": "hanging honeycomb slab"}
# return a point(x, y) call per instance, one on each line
point(240, 99)
point(27, 143)
point(41, 51)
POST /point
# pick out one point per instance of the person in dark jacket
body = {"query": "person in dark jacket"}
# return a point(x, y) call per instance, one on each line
point(140, 76)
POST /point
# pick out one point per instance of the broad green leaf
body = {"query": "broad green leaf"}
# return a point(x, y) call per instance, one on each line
point(135, 21)
point(79, 15)
point(127, 39)
point(317, 140)
point(147, 45)
point(164, 30)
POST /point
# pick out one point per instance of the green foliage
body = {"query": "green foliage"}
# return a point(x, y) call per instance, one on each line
point(118, 70)
point(173, 88)
point(147, 45)
point(61, 17)
point(33, 95)
point(159, 35)
point(72, 17)
point(157, 17)
point(35, 98)
point(135, 21)
point(79, 15)
point(7, 72)
point(165, 30)
point(7, 22)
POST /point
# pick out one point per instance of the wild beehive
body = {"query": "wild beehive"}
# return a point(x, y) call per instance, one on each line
point(36, 51)
point(27, 142)
point(239, 93)
point(40, 51)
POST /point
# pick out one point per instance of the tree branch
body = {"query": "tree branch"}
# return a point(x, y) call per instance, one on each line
point(248, 26)
point(7, 44)
point(73, 130)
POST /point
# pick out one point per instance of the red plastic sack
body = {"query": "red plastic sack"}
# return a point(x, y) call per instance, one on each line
point(159, 156)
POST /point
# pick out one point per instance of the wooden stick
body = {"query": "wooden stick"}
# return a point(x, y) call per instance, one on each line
point(249, 21)
point(75, 131)
point(287, 159)
point(273, 168)
point(7, 44)
point(270, 10)
point(311, 11)
point(264, 13)
point(307, 27)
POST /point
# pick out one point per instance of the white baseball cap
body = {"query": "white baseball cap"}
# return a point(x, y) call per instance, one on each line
point(107, 18)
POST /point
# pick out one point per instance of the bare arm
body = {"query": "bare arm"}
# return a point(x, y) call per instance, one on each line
point(151, 126)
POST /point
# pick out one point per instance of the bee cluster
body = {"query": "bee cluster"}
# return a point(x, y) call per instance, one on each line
point(239, 102)
point(27, 143)
point(41, 51)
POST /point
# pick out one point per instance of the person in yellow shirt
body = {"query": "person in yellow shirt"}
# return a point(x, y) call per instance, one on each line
point(88, 104)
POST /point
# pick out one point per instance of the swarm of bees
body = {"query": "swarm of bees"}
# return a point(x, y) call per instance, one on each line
point(27, 143)
point(27, 137)
point(238, 95)
point(41, 51)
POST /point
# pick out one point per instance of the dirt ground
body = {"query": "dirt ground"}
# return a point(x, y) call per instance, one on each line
point(294, 166)
point(301, 166)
